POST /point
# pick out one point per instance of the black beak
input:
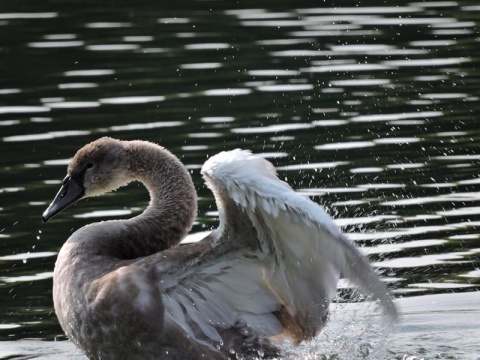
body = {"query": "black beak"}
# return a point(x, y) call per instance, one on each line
point(71, 191)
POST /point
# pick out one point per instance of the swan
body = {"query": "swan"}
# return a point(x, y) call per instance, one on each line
point(124, 289)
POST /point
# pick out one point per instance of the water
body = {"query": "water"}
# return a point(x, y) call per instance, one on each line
point(369, 108)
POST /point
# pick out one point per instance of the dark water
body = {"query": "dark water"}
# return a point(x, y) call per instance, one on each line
point(371, 108)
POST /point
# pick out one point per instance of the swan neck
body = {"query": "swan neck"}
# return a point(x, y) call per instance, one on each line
point(173, 200)
point(169, 215)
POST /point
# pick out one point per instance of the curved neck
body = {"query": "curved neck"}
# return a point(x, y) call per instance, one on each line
point(170, 213)
point(173, 200)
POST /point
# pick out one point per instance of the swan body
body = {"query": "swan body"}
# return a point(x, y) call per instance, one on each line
point(123, 289)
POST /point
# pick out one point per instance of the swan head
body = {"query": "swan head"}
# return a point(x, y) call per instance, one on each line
point(99, 167)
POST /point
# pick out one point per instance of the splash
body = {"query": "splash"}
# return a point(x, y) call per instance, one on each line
point(354, 331)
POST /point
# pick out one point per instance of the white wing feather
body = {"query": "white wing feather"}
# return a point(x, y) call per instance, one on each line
point(292, 260)
point(219, 295)
point(310, 250)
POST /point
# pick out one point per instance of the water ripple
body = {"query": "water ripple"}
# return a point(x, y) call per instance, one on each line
point(427, 62)
point(312, 166)
point(107, 25)
point(112, 47)
point(345, 145)
point(67, 86)
point(56, 44)
point(46, 136)
point(72, 104)
point(131, 100)
point(284, 87)
point(361, 10)
point(90, 72)
point(200, 66)
point(227, 92)
point(140, 126)
point(22, 109)
point(29, 255)
point(103, 213)
point(396, 116)
point(38, 15)
point(27, 278)
point(208, 46)
point(271, 128)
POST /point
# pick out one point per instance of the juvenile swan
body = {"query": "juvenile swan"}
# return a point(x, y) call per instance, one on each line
point(123, 289)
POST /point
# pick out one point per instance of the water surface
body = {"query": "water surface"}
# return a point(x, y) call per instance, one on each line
point(369, 108)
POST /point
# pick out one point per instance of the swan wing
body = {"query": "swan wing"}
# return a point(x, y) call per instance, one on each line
point(308, 249)
point(211, 293)
point(208, 295)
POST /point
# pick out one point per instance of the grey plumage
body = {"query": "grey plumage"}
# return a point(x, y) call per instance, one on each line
point(124, 289)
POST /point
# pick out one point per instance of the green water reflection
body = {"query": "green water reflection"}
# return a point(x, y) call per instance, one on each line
point(371, 109)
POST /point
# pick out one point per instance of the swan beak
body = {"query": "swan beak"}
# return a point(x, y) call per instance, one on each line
point(71, 191)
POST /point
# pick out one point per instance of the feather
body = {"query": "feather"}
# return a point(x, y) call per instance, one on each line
point(295, 261)
point(293, 229)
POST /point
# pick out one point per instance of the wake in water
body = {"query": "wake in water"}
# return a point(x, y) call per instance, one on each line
point(440, 326)
point(355, 331)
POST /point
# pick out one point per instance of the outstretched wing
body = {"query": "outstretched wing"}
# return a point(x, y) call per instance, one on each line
point(217, 291)
point(309, 249)
point(272, 266)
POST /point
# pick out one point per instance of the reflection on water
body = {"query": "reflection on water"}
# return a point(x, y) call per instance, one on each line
point(368, 108)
